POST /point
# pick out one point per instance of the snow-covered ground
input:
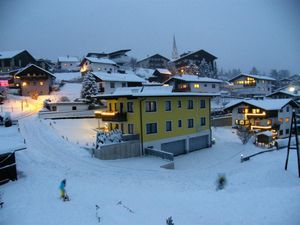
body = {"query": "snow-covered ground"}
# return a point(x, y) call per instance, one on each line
point(137, 191)
point(70, 90)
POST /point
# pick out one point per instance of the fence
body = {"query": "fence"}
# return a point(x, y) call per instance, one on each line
point(221, 121)
point(67, 115)
point(159, 153)
point(8, 170)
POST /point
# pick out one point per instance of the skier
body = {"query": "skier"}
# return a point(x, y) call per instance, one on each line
point(62, 189)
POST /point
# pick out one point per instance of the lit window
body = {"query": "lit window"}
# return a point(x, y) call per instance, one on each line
point(269, 122)
point(287, 120)
point(41, 83)
point(281, 120)
point(196, 85)
point(24, 84)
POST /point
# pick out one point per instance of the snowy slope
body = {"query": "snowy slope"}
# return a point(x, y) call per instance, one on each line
point(258, 192)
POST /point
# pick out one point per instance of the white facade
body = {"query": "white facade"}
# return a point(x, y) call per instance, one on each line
point(251, 85)
point(68, 63)
point(68, 106)
point(110, 86)
point(99, 65)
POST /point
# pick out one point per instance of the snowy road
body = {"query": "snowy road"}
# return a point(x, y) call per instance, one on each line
point(258, 192)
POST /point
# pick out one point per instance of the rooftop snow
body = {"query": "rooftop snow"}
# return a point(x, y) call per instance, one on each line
point(9, 54)
point(100, 60)
point(151, 91)
point(164, 71)
point(259, 77)
point(194, 78)
point(144, 73)
point(67, 59)
point(266, 104)
point(123, 77)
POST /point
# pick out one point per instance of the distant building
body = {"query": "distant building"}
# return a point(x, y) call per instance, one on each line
point(13, 60)
point(33, 81)
point(68, 63)
point(160, 75)
point(109, 82)
point(204, 62)
point(246, 85)
point(192, 83)
point(120, 57)
point(290, 91)
point(261, 115)
point(93, 64)
point(154, 62)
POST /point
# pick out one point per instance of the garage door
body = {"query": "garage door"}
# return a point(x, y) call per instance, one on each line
point(175, 147)
point(197, 143)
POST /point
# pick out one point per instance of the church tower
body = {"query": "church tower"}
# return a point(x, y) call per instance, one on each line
point(174, 51)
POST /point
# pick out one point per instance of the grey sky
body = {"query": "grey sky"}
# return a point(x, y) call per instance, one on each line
point(241, 33)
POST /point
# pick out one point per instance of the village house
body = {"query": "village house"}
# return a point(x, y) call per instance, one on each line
point(153, 62)
point(164, 120)
point(246, 85)
point(109, 82)
point(197, 58)
point(92, 64)
point(263, 115)
point(33, 81)
point(68, 63)
point(160, 75)
point(192, 83)
point(290, 91)
point(13, 60)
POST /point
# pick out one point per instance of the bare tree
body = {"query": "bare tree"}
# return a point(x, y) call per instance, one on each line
point(244, 134)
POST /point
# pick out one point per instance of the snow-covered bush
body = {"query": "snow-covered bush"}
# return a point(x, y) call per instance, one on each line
point(89, 86)
point(114, 136)
point(221, 182)
point(244, 134)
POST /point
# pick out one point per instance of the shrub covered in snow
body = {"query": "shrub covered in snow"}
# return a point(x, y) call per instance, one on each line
point(89, 86)
point(114, 136)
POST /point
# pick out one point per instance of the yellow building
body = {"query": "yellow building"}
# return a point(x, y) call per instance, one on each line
point(164, 120)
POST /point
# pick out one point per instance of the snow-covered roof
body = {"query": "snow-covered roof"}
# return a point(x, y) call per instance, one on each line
point(68, 59)
point(266, 104)
point(100, 60)
point(9, 54)
point(122, 77)
point(30, 65)
point(259, 77)
point(267, 133)
point(151, 91)
point(164, 71)
point(194, 78)
point(144, 73)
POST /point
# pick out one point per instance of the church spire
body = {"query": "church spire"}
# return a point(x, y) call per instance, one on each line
point(174, 51)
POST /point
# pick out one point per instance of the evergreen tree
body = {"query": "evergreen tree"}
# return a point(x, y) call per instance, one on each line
point(89, 86)
point(254, 71)
point(169, 221)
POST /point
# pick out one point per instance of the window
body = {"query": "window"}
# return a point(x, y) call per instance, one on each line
point(41, 83)
point(151, 128)
point(202, 103)
point(179, 104)
point(190, 123)
point(190, 104)
point(54, 108)
point(213, 85)
point(150, 106)
point(129, 106)
point(179, 123)
point(123, 84)
point(33, 83)
point(205, 85)
point(202, 121)
point(281, 132)
point(281, 120)
point(112, 84)
point(74, 107)
point(167, 105)
point(168, 125)
point(287, 109)
point(287, 119)
point(196, 85)
point(287, 131)
point(130, 128)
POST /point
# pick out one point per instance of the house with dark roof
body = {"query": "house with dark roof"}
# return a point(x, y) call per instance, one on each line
point(33, 81)
point(290, 91)
point(160, 75)
point(247, 85)
point(263, 115)
point(12, 60)
point(153, 62)
point(192, 83)
point(198, 59)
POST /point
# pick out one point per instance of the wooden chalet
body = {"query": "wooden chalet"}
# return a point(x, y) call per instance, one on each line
point(12, 60)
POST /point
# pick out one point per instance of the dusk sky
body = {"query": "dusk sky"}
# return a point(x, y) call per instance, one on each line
point(241, 33)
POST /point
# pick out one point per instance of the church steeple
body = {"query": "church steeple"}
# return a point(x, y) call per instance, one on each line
point(174, 51)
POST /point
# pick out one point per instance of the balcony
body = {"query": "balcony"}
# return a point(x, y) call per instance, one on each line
point(111, 116)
